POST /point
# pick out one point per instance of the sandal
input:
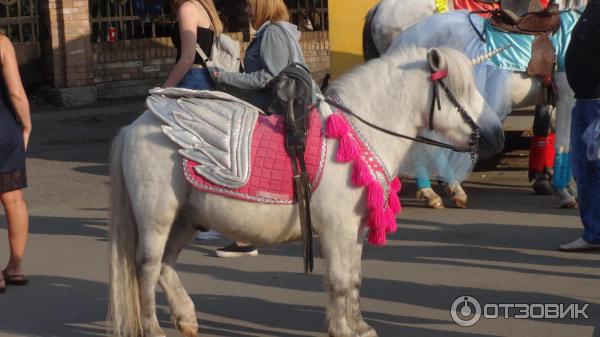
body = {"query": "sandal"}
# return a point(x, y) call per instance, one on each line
point(14, 280)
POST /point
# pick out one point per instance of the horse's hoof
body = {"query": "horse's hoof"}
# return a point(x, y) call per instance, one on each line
point(460, 202)
point(433, 200)
point(370, 333)
point(569, 205)
point(572, 189)
point(188, 330)
point(459, 197)
point(542, 187)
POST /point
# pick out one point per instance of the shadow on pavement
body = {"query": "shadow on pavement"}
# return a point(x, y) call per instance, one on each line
point(54, 306)
point(65, 226)
point(373, 288)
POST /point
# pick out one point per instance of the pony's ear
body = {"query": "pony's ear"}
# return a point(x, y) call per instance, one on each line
point(436, 59)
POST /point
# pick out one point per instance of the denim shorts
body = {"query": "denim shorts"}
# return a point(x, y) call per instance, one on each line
point(197, 79)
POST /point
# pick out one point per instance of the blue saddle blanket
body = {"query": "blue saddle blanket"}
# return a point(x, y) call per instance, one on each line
point(517, 58)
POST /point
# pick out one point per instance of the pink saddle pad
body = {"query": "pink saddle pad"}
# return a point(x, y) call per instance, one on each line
point(271, 174)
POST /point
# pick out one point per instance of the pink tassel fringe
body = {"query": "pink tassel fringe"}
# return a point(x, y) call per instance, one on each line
point(394, 202)
point(336, 126)
point(396, 185)
point(361, 176)
point(392, 226)
point(348, 150)
point(381, 219)
point(375, 197)
point(377, 237)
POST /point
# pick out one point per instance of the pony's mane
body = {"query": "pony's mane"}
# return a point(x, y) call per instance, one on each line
point(460, 80)
point(381, 70)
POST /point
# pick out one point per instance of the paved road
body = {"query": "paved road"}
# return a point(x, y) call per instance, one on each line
point(501, 250)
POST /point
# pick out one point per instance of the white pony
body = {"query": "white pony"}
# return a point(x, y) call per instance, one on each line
point(153, 207)
point(389, 25)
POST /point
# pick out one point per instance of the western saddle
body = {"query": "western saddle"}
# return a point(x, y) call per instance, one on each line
point(530, 18)
point(526, 17)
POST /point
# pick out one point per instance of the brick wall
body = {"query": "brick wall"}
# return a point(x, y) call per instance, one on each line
point(80, 71)
point(65, 42)
point(129, 67)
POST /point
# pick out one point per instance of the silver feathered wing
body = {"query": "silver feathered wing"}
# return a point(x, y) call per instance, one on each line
point(212, 128)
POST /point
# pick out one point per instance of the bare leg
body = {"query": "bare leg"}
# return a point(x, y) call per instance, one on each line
point(182, 306)
point(18, 227)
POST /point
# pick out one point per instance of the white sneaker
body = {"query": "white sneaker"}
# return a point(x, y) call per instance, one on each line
point(579, 245)
point(209, 235)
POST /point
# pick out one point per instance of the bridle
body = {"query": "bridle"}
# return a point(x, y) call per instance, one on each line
point(436, 78)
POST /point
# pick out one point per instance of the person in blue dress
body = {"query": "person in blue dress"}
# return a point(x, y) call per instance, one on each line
point(15, 128)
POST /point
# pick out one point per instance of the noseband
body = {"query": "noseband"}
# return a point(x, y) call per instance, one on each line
point(436, 78)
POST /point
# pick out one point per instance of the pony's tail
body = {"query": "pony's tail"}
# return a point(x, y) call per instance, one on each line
point(124, 305)
point(369, 49)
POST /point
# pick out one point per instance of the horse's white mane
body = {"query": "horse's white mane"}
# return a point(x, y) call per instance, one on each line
point(386, 69)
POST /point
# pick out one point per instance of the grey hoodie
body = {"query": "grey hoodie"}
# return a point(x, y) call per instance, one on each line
point(267, 55)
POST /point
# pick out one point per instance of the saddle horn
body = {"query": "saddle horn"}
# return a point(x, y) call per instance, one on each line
point(479, 59)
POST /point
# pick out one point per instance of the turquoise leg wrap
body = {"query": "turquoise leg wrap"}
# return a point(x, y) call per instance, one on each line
point(423, 178)
point(562, 171)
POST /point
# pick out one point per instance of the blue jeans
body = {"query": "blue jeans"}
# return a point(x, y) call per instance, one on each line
point(586, 172)
point(197, 79)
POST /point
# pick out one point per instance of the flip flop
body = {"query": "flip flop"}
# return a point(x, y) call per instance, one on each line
point(14, 280)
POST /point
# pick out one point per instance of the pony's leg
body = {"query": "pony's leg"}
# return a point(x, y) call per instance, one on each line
point(154, 226)
point(355, 318)
point(341, 250)
point(541, 151)
point(454, 190)
point(183, 312)
point(562, 171)
point(424, 190)
point(458, 194)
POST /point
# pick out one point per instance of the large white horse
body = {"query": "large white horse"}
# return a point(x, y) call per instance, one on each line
point(153, 207)
point(394, 23)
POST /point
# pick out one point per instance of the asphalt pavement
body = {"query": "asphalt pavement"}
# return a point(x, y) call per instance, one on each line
point(500, 251)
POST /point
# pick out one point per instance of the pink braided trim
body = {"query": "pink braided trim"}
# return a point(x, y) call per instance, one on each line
point(382, 211)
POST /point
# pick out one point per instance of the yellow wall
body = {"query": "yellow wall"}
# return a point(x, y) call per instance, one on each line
point(346, 20)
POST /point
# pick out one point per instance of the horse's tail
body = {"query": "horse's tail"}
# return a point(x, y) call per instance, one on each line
point(124, 303)
point(369, 49)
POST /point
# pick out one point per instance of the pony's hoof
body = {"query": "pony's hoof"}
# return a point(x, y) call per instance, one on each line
point(572, 189)
point(569, 205)
point(430, 197)
point(565, 200)
point(460, 201)
point(459, 197)
point(542, 187)
point(370, 333)
point(188, 331)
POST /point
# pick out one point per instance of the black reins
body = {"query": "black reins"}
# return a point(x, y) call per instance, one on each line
point(436, 80)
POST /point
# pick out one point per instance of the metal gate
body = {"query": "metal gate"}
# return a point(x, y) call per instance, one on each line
point(19, 21)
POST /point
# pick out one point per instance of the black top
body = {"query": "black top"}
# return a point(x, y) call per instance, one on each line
point(583, 54)
point(204, 38)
